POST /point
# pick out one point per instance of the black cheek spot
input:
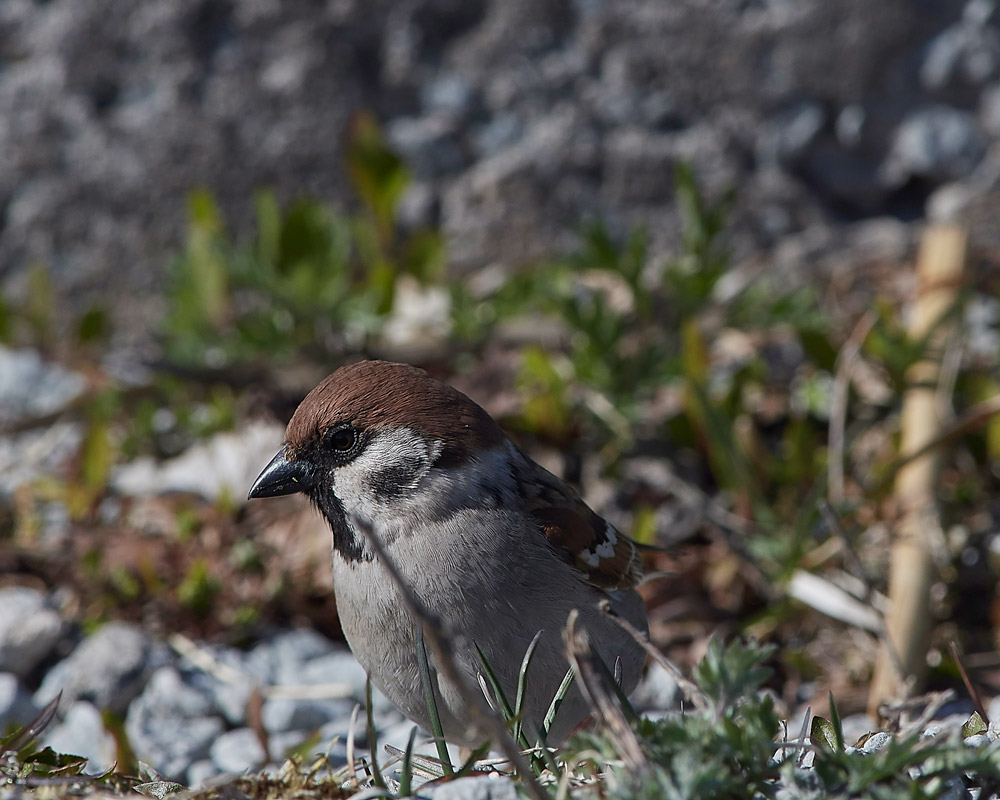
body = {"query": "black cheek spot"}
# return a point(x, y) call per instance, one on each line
point(398, 480)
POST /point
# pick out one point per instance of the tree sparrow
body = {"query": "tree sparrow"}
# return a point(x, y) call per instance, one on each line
point(493, 544)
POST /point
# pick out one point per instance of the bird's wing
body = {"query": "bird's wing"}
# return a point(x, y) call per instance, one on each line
point(606, 557)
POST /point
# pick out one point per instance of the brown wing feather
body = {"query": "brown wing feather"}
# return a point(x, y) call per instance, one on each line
point(605, 556)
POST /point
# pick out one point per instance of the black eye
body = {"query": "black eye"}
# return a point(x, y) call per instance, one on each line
point(342, 439)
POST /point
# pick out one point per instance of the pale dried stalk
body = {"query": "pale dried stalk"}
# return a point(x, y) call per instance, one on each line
point(600, 696)
point(911, 568)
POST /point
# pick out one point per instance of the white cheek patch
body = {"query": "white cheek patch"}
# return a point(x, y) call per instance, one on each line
point(390, 468)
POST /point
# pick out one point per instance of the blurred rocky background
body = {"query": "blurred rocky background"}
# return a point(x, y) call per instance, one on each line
point(667, 243)
point(520, 119)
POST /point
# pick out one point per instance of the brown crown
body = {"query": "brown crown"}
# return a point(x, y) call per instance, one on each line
point(374, 395)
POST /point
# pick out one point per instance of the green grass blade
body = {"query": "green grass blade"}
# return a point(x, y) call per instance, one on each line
point(377, 778)
point(557, 699)
point(406, 773)
point(431, 699)
point(470, 762)
point(522, 685)
point(838, 729)
point(501, 699)
point(509, 715)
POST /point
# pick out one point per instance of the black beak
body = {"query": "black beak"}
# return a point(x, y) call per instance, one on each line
point(282, 477)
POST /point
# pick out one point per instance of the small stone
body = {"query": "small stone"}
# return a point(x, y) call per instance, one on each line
point(850, 124)
point(238, 751)
point(281, 714)
point(108, 668)
point(854, 726)
point(877, 741)
point(498, 133)
point(337, 667)
point(29, 629)
point(979, 740)
point(451, 94)
point(961, 59)
point(989, 110)
point(493, 787)
point(283, 744)
point(937, 143)
point(792, 133)
point(29, 386)
point(201, 771)
point(283, 658)
point(172, 723)
point(82, 733)
point(16, 705)
point(230, 699)
point(428, 144)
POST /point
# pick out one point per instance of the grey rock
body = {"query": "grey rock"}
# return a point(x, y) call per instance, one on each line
point(109, 668)
point(937, 143)
point(855, 726)
point(238, 751)
point(201, 771)
point(993, 709)
point(174, 749)
point(16, 705)
point(172, 693)
point(428, 144)
point(281, 659)
point(337, 667)
point(877, 741)
point(172, 723)
point(31, 387)
point(29, 629)
point(791, 133)
point(962, 58)
point(110, 111)
point(341, 667)
point(500, 132)
point(281, 714)
point(338, 730)
point(229, 699)
point(282, 744)
point(491, 787)
point(978, 740)
point(451, 94)
point(418, 207)
point(849, 126)
point(82, 733)
point(989, 110)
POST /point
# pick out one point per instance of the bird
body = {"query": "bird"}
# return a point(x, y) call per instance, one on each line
point(494, 546)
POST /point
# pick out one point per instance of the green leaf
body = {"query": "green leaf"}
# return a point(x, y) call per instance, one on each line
point(974, 726)
point(823, 734)
point(92, 325)
point(379, 176)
